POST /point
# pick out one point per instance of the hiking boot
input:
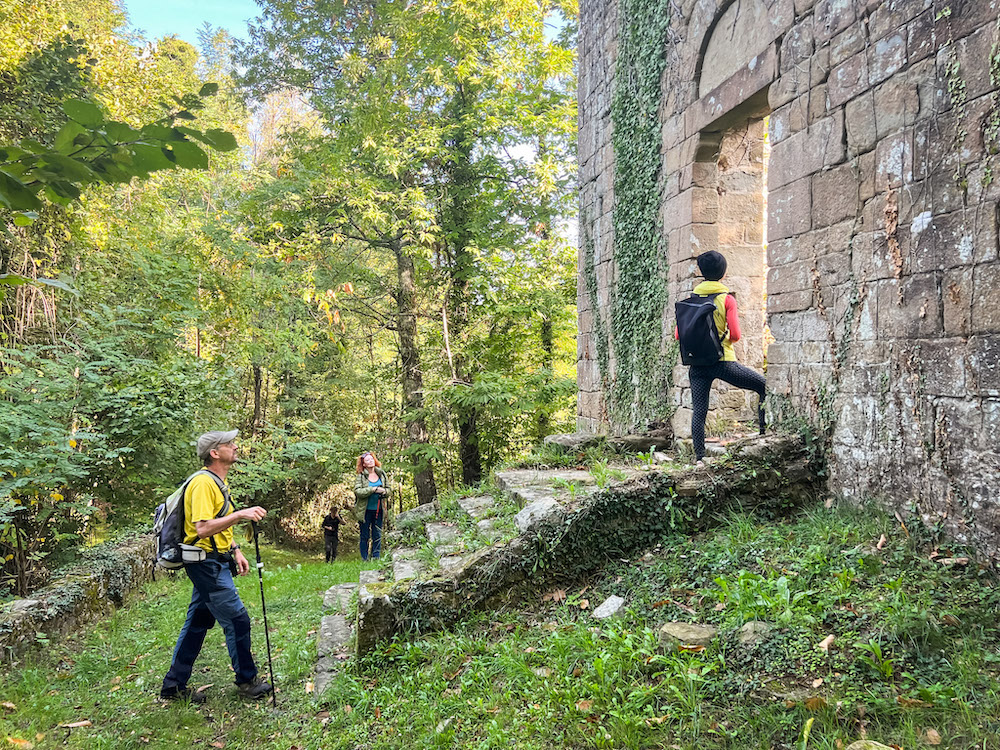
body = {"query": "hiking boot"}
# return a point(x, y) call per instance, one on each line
point(185, 693)
point(258, 687)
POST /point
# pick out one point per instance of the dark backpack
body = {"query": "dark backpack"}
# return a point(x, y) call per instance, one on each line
point(168, 526)
point(696, 330)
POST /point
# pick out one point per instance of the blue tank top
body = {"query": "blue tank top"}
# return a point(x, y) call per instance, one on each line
point(374, 497)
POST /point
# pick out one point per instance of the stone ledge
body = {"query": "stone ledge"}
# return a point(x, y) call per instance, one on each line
point(85, 593)
point(772, 471)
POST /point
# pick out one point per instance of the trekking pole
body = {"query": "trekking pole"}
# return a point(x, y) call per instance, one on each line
point(263, 606)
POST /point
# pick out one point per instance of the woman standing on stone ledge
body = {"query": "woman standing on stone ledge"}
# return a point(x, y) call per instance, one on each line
point(371, 487)
point(727, 322)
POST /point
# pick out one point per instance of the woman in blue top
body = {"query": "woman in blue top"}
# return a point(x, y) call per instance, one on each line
point(371, 485)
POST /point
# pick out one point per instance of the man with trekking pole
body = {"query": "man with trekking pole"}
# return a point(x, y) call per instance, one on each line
point(209, 517)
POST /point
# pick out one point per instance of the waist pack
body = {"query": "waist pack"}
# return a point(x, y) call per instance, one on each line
point(168, 527)
point(696, 330)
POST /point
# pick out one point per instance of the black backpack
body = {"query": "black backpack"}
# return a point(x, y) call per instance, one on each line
point(696, 330)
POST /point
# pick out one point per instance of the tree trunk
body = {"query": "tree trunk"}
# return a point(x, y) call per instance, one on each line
point(413, 379)
point(257, 405)
point(457, 224)
point(543, 420)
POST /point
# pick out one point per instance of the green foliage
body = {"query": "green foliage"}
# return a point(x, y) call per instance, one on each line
point(639, 391)
point(542, 673)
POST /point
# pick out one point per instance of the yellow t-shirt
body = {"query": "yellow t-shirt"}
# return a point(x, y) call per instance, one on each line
point(203, 501)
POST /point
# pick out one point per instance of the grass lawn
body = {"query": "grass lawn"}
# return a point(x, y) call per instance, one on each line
point(913, 661)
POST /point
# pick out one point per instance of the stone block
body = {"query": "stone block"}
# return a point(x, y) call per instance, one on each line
point(984, 365)
point(956, 297)
point(848, 43)
point(886, 56)
point(784, 251)
point(866, 175)
point(377, 618)
point(921, 40)
point(793, 277)
point(797, 45)
point(943, 367)
point(807, 151)
point(849, 79)
point(985, 310)
point(897, 105)
point(861, 125)
point(789, 210)
point(887, 17)
point(894, 161)
point(910, 309)
point(834, 196)
point(337, 597)
point(537, 512)
point(569, 443)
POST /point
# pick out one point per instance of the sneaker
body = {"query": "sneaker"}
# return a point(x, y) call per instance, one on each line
point(184, 693)
point(258, 687)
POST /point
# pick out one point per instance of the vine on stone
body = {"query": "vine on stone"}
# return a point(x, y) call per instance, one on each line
point(639, 390)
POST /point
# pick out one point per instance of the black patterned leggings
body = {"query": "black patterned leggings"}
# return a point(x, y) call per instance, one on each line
point(701, 385)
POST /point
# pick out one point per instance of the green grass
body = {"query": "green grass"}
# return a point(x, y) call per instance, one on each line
point(916, 649)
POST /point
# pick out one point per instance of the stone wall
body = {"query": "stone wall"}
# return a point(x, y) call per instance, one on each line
point(882, 240)
point(108, 577)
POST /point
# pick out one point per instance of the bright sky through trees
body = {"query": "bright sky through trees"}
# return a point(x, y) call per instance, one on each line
point(183, 17)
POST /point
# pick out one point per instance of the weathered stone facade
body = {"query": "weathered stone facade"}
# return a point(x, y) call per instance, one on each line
point(881, 226)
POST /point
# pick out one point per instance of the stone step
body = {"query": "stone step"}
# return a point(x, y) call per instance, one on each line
point(338, 596)
point(477, 506)
point(332, 649)
point(442, 532)
point(406, 564)
point(368, 576)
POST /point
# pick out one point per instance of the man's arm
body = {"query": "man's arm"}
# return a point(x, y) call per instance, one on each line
point(213, 526)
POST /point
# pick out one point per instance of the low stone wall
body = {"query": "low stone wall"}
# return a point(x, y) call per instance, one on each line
point(95, 588)
point(622, 521)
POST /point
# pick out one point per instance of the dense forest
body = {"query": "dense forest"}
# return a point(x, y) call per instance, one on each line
point(380, 259)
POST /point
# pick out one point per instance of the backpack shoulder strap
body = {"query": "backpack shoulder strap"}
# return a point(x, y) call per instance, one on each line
point(227, 500)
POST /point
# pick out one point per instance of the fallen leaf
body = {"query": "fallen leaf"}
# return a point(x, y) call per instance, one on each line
point(660, 604)
point(816, 703)
point(954, 561)
point(217, 743)
point(881, 542)
point(378, 712)
point(203, 688)
point(77, 724)
point(576, 672)
point(530, 650)
point(817, 682)
point(912, 702)
point(828, 503)
point(556, 596)
point(585, 603)
point(347, 708)
point(824, 645)
point(691, 648)
point(720, 606)
point(18, 742)
point(8, 705)
point(323, 715)
point(654, 720)
point(310, 686)
point(543, 672)
point(584, 705)
point(951, 620)
point(931, 737)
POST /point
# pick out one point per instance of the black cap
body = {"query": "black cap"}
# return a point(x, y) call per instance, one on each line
point(712, 265)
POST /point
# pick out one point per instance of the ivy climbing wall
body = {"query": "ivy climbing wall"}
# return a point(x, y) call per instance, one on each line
point(881, 228)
